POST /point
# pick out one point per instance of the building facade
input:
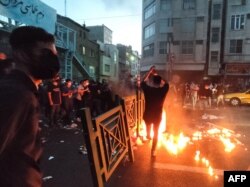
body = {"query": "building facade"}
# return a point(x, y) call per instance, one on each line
point(109, 62)
point(101, 33)
point(196, 38)
point(79, 55)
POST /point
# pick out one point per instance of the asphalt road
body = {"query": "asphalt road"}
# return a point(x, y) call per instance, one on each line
point(64, 166)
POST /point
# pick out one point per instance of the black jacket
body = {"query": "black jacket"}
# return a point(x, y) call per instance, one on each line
point(20, 147)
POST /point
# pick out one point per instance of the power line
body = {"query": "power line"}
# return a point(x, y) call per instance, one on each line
point(111, 17)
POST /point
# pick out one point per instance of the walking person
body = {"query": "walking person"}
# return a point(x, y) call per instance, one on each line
point(155, 92)
point(34, 55)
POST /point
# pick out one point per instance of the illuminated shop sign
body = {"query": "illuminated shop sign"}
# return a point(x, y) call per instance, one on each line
point(30, 12)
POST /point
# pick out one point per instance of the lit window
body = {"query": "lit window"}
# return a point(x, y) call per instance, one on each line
point(83, 50)
point(91, 70)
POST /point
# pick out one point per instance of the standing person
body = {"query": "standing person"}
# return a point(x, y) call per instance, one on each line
point(155, 93)
point(67, 102)
point(220, 95)
point(55, 100)
point(35, 58)
point(194, 88)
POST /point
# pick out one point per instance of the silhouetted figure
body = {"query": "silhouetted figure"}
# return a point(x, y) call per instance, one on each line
point(35, 58)
point(155, 93)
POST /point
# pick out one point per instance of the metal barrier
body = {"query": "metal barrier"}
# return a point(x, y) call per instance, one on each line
point(107, 139)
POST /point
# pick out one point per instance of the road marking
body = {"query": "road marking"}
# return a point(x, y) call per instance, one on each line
point(176, 167)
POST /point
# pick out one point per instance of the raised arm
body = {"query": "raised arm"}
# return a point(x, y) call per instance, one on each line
point(150, 72)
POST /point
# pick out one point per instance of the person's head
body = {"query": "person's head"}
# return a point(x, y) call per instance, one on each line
point(34, 49)
point(85, 82)
point(157, 80)
point(2, 56)
point(68, 82)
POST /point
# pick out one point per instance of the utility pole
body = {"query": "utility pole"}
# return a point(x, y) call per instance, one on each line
point(65, 8)
point(169, 59)
point(206, 66)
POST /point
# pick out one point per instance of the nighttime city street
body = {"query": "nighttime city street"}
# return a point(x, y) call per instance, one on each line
point(125, 93)
point(199, 161)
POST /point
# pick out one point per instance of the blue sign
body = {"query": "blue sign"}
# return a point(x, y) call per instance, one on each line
point(30, 12)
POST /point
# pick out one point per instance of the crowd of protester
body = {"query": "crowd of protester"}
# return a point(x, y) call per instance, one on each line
point(61, 100)
point(200, 95)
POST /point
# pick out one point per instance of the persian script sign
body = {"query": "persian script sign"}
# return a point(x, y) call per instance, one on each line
point(30, 12)
point(238, 69)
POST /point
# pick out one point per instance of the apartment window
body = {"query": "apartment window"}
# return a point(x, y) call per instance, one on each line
point(115, 57)
point(165, 5)
point(243, 2)
point(199, 42)
point(164, 24)
point(149, 11)
point(91, 70)
point(163, 47)
point(214, 56)
point(237, 22)
point(92, 53)
point(216, 11)
point(149, 31)
point(107, 68)
point(188, 4)
point(215, 35)
point(83, 50)
point(148, 50)
point(187, 47)
point(200, 19)
point(236, 46)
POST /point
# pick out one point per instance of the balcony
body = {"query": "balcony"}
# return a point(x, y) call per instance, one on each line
point(237, 58)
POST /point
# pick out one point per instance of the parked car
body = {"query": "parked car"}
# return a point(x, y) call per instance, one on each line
point(237, 98)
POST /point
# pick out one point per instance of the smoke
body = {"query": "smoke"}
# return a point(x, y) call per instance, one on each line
point(126, 5)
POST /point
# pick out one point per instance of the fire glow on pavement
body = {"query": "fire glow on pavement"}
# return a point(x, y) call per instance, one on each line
point(175, 144)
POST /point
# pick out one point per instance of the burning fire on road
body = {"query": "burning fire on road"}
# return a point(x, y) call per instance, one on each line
point(175, 144)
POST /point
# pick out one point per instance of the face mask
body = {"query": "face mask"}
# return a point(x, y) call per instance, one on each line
point(44, 65)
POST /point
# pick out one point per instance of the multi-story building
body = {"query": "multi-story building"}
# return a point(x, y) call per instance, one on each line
point(101, 33)
point(79, 55)
point(109, 66)
point(235, 66)
point(109, 62)
point(196, 38)
point(128, 61)
point(175, 36)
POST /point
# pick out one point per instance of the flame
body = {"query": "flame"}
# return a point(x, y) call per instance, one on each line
point(175, 144)
point(197, 156)
point(229, 146)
